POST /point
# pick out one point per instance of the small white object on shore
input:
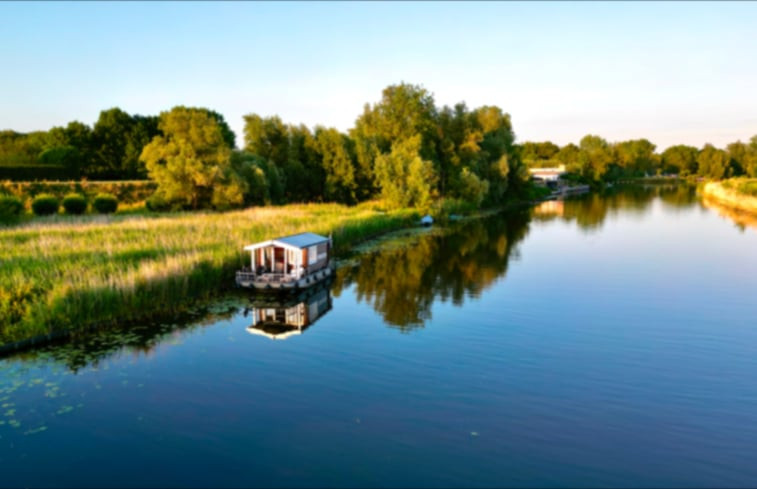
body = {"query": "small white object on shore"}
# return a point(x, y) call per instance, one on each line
point(427, 220)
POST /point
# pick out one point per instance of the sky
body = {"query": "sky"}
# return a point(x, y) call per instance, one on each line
point(670, 72)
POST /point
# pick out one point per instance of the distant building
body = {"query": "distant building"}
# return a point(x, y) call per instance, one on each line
point(545, 175)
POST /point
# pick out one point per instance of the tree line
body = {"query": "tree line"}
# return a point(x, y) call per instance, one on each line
point(594, 159)
point(403, 148)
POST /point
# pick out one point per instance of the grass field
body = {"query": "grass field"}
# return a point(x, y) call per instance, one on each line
point(69, 274)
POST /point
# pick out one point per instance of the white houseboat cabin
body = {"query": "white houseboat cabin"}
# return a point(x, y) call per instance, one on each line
point(291, 262)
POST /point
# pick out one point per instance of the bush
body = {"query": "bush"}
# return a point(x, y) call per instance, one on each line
point(157, 203)
point(10, 208)
point(105, 203)
point(74, 204)
point(45, 204)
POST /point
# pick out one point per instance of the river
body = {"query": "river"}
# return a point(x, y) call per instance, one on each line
point(608, 340)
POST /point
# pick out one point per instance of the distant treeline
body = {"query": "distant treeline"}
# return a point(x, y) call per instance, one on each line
point(404, 149)
point(595, 159)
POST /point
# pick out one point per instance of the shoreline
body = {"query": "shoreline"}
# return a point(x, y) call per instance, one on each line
point(729, 197)
point(216, 288)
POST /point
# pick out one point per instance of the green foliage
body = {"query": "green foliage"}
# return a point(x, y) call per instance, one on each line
point(10, 208)
point(157, 203)
point(161, 264)
point(45, 204)
point(75, 204)
point(105, 203)
point(405, 178)
point(680, 159)
point(713, 163)
point(191, 160)
point(125, 191)
point(338, 162)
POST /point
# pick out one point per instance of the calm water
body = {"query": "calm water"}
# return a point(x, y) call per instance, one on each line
point(605, 341)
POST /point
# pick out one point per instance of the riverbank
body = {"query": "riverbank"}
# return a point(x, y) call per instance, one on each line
point(64, 278)
point(737, 193)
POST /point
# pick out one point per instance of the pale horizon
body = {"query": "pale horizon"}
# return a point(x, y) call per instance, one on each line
point(674, 73)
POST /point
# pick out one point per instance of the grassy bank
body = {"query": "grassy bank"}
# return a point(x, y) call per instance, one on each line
point(73, 275)
point(737, 193)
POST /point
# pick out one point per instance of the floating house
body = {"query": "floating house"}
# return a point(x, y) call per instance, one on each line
point(279, 320)
point(291, 262)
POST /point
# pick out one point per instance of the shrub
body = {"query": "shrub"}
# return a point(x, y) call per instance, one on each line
point(45, 204)
point(157, 203)
point(105, 203)
point(74, 204)
point(10, 208)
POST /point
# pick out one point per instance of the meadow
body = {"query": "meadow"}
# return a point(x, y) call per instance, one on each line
point(68, 274)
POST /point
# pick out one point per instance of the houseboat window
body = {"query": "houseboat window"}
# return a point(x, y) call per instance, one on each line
point(312, 255)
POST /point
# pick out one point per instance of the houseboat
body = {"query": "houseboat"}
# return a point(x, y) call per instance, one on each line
point(279, 319)
point(288, 263)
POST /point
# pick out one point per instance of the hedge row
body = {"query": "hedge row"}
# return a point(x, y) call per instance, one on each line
point(127, 191)
point(33, 172)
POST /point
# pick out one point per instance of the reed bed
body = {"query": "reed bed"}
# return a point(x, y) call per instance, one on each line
point(69, 276)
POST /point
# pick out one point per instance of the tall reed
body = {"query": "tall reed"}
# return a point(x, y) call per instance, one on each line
point(67, 276)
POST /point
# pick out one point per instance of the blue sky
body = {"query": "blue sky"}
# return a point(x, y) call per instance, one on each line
point(671, 72)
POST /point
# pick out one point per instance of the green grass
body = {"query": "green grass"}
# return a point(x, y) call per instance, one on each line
point(70, 274)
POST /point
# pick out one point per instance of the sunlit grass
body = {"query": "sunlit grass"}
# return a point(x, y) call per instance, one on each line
point(739, 193)
point(68, 273)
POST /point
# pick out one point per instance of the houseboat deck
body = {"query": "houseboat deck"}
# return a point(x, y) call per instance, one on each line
point(290, 262)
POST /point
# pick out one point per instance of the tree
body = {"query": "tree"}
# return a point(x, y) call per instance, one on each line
point(750, 162)
point(680, 159)
point(569, 155)
point(636, 157)
point(404, 177)
point(191, 160)
point(334, 149)
point(713, 162)
point(594, 156)
point(404, 112)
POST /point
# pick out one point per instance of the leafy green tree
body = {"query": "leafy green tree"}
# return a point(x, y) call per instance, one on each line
point(680, 159)
point(335, 151)
point(405, 178)
point(404, 112)
point(713, 162)
point(191, 159)
point(595, 157)
point(569, 155)
point(750, 161)
point(636, 157)
point(538, 154)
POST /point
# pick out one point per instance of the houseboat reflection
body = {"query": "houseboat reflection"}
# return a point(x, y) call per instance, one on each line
point(279, 318)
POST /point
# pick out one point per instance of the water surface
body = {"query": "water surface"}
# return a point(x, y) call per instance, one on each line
point(609, 340)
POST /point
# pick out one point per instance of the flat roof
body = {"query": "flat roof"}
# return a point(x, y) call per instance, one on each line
point(300, 241)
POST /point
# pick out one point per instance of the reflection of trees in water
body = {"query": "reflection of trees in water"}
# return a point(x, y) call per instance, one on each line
point(402, 284)
point(590, 211)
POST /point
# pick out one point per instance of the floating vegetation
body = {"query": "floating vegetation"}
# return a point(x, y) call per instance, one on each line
point(35, 430)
